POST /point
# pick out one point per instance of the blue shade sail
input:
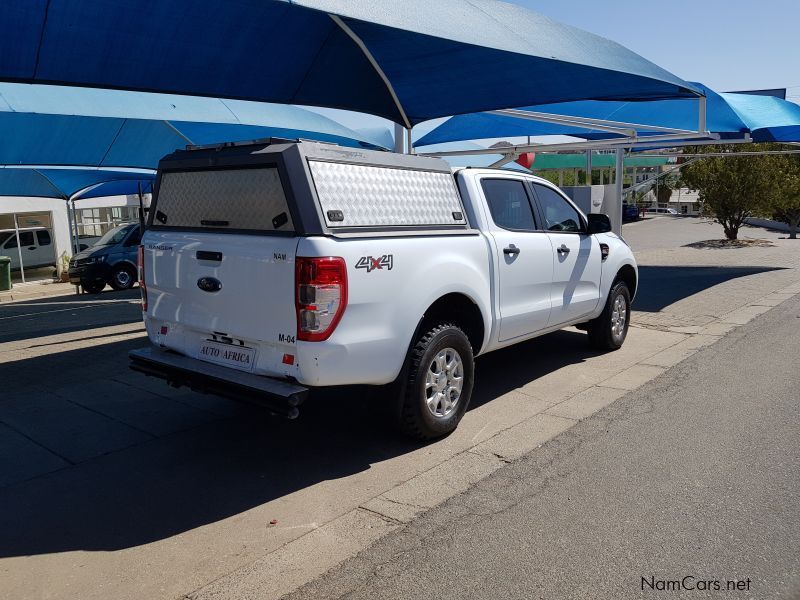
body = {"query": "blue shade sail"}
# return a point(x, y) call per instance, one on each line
point(65, 183)
point(766, 118)
point(48, 125)
point(408, 61)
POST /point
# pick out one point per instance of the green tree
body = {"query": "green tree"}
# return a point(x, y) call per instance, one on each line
point(732, 187)
point(666, 183)
point(784, 203)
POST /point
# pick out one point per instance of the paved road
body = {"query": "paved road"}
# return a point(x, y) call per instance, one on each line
point(695, 474)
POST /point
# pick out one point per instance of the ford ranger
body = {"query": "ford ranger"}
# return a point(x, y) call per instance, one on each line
point(273, 267)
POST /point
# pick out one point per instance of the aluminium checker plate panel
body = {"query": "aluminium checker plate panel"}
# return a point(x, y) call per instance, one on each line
point(375, 196)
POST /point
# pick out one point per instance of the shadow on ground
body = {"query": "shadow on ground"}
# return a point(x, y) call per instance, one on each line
point(660, 286)
point(56, 315)
point(237, 458)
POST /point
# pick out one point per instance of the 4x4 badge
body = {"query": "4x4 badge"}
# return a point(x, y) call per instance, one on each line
point(370, 263)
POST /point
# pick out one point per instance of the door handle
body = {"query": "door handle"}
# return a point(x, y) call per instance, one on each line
point(511, 250)
point(563, 249)
point(31, 247)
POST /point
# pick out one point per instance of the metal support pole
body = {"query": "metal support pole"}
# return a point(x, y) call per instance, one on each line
point(701, 121)
point(19, 249)
point(399, 137)
point(615, 212)
point(561, 178)
point(75, 238)
point(588, 167)
point(70, 224)
point(409, 142)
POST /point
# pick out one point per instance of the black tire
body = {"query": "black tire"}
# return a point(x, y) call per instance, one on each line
point(413, 415)
point(604, 331)
point(94, 286)
point(123, 277)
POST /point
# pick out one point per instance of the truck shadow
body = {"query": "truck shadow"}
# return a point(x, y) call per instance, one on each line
point(236, 458)
point(660, 286)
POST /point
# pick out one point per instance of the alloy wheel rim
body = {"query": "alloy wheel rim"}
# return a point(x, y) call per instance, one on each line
point(444, 382)
point(619, 316)
point(123, 278)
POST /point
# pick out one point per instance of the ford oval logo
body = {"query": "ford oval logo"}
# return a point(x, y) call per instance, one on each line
point(209, 284)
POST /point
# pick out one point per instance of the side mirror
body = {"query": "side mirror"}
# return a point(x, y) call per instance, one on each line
point(598, 223)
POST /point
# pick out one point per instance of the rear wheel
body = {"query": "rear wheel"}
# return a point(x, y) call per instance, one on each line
point(93, 286)
point(123, 278)
point(608, 331)
point(438, 383)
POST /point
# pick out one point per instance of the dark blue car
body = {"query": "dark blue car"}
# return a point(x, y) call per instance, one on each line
point(112, 261)
point(630, 212)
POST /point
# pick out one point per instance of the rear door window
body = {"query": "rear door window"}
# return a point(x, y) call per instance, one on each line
point(509, 204)
point(223, 199)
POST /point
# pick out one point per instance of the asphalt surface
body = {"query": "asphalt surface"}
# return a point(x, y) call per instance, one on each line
point(694, 477)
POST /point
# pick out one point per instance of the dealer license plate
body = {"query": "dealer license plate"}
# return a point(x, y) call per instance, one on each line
point(238, 357)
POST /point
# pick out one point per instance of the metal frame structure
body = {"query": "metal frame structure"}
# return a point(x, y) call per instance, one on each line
point(629, 140)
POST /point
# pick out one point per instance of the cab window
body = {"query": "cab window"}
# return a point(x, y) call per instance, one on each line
point(558, 214)
point(135, 237)
point(509, 204)
point(25, 238)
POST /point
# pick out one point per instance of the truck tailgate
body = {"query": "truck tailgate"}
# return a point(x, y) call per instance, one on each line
point(226, 299)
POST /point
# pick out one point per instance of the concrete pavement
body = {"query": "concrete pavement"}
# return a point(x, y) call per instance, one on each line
point(688, 487)
point(145, 475)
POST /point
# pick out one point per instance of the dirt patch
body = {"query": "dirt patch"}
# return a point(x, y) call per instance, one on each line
point(722, 244)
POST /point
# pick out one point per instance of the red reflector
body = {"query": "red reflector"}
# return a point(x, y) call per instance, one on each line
point(164, 330)
point(288, 359)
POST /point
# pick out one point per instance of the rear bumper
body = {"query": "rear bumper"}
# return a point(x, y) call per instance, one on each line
point(279, 396)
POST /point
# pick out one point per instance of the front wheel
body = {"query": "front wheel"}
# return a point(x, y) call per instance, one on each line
point(608, 331)
point(93, 286)
point(438, 383)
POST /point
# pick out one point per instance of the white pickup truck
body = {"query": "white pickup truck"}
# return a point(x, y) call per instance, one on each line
point(273, 267)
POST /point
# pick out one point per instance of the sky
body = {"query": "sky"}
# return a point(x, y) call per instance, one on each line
point(729, 45)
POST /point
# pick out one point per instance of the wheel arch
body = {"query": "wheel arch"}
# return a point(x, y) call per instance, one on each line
point(457, 308)
point(627, 274)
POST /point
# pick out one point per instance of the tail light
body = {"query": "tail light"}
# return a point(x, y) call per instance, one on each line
point(140, 269)
point(320, 296)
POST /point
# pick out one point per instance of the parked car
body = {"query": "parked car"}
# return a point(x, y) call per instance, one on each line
point(35, 245)
point(270, 269)
point(112, 261)
point(663, 211)
point(630, 212)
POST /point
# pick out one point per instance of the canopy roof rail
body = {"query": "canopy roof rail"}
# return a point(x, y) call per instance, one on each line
point(268, 141)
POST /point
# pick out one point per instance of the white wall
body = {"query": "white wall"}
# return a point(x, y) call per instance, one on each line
point(56, 206)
